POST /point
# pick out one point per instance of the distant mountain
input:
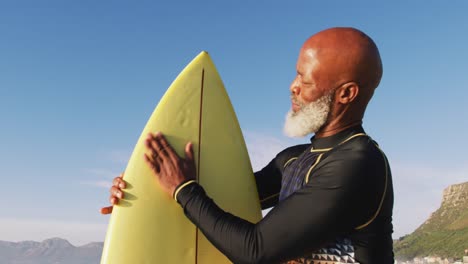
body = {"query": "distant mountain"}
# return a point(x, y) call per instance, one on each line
point(445, 233)
point(50, 251)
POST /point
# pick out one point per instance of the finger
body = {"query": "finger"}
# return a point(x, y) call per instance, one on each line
point(155, 157)
point(106, 210)
point(149, 143)
point(119, 182)
point(150, 151)
point(189, 152)
point(154, 165)
point(116, 192)
point(122, 183)
point(152, 156)
point(190, 159)
point(160, 145)
point(153, 148)
point(169, 151)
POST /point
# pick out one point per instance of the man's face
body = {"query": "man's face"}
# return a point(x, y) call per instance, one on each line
point(311, 100)
point(308, 85)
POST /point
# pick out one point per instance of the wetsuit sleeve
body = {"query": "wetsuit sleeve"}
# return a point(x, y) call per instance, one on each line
point(332, 203)
point(269, 178)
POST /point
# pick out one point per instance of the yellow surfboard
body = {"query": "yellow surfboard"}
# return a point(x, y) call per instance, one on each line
point(148, 226)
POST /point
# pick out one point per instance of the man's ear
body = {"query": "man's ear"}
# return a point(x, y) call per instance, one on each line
point(347, 93)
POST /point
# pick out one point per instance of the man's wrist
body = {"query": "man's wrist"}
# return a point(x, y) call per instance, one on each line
point(181, 186)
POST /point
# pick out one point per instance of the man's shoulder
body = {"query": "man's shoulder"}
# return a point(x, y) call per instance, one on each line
point(358, 152)
point(357, 161)
point(361, 146)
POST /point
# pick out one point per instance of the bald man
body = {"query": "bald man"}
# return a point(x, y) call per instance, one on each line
point(332, 198)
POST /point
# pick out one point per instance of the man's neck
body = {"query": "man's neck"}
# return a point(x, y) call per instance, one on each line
point(330, 129)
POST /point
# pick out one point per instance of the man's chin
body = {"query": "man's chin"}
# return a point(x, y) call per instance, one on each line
point(304, 120)
point(294, 125)
point(295, 108)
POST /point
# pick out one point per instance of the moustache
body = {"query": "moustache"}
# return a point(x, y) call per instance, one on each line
point(296, 101)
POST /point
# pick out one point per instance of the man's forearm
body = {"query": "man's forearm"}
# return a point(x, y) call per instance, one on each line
point(235, 237)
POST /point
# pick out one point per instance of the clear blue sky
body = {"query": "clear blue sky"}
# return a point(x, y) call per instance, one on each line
point(79, 79)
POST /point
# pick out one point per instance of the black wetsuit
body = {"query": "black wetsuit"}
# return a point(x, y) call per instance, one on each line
point(333, 201)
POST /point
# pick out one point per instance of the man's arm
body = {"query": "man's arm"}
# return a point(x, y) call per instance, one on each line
point(329, 205)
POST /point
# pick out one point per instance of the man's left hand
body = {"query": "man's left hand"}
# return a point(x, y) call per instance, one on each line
point(170, 169)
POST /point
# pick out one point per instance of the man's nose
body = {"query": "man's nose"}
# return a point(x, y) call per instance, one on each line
point(294, 88)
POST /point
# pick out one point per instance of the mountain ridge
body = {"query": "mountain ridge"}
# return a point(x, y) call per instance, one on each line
point(444, 233)
point(53, 250)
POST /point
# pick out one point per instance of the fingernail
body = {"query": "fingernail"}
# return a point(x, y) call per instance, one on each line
point(121, 185)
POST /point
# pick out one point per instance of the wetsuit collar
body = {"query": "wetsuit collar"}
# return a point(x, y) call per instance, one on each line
point(331, 141)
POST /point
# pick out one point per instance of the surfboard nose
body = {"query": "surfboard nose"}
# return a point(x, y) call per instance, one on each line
point(203, 55)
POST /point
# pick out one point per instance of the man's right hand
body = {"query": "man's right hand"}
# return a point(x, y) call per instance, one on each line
point(116, 193)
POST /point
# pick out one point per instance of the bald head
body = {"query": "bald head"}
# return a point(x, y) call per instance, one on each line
point(343, 62)
point(345, 55)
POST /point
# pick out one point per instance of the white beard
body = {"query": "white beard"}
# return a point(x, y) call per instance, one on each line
point(309, 119)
